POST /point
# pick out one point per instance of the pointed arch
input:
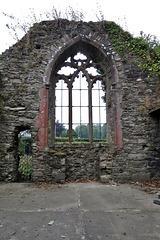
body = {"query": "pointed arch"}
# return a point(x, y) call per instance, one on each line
point(87, 46)
point(103, 61)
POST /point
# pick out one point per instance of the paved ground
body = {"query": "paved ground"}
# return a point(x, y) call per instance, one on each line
point(77, 211)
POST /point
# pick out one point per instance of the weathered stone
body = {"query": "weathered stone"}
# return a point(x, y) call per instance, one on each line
point(142, 177)
point(103, 165)
point(51, 223)
point(105, 178)
point(26, 80)
point(102, 158)
point(60, 176)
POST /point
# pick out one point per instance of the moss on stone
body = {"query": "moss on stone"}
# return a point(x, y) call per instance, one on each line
point(56, 153)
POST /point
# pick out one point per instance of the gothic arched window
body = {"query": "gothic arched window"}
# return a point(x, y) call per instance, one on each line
point(79, 106)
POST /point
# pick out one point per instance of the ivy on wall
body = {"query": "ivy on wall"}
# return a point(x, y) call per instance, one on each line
point(146, 49)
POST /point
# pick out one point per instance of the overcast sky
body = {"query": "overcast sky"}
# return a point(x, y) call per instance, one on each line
point(140, 15)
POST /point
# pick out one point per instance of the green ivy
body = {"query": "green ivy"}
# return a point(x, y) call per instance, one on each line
point(25, 167)
point(145, 49)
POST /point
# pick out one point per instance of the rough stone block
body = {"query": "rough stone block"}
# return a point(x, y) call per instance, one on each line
point(60, 176)
point(63, 161)
point(37, 175)
point(143, 141)
point(141, 177)
point(102, 158)
point(109, 164)
point(102, 165)
point(105, 178)
point(136, 156)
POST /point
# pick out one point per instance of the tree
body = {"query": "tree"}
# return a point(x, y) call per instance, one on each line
point(24, 142)
point(103, 131)
point(99, 132)
point(82, 131)
point(59, 128)
point(64, 133)
point(74, 134)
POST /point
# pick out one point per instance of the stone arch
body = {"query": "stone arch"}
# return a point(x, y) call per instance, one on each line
point(104, 60)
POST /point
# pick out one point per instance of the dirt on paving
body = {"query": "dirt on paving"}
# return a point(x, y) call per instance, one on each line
point(80, 210)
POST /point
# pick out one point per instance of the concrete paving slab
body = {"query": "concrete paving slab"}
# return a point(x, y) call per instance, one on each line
point(77, 211)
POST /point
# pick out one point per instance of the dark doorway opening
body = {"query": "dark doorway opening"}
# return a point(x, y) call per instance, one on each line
point(24, 148)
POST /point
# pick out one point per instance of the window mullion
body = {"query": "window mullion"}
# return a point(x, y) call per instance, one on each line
point(54, 116)
point(80, 103)
point(70, 114)
point(90, 114)
point(99, 110)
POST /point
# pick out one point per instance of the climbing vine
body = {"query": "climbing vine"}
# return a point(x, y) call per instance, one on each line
point(146, 49)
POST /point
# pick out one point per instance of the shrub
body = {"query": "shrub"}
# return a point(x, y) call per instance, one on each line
point(25, 167)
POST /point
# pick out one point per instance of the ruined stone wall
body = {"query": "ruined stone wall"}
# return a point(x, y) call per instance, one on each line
point(65, 162)
point(139, 127)
point(131, 96)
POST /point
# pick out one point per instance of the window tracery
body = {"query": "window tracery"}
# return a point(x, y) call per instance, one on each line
point(79, 108)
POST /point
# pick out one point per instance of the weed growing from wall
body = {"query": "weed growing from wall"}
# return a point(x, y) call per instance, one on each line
point(146, 47)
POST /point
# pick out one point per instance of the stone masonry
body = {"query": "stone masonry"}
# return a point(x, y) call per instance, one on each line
point(131, 152)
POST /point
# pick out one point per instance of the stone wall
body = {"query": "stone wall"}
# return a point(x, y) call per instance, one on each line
point(65, 162)
point(132, 151)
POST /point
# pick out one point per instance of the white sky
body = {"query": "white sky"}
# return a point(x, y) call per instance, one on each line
point(140, 15)
point(79, 98)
